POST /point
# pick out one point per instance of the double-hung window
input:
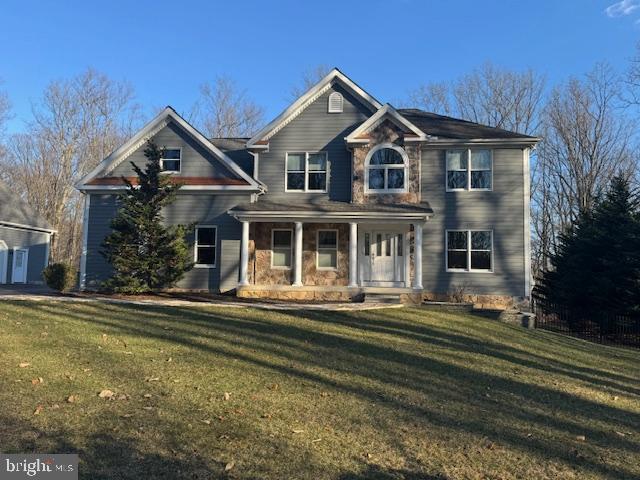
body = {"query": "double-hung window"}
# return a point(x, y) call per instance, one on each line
point(327, 254)
point(171, 160)
point(306, 172)
point(469, 169)
point(281, 246)
point(205, 247)
point(470, 250)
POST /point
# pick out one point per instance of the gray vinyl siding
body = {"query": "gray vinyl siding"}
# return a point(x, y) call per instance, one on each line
point(203, 209)
point(195, 161)
point(501, 210)
point(314, 130)
point(36, 242)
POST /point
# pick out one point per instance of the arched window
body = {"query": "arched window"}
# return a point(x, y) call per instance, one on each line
point(335, 103)
point(386, 169)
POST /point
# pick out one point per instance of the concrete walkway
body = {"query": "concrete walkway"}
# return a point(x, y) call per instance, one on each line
point(25, 295)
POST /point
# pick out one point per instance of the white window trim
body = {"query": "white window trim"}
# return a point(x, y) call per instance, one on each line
point(195, 248)
point(468, 170)
point(290, 230)
point(468, 269)
point(318, 267)
point(171, 172)
point(335, 94)
point(405, 167)
point(306, 171)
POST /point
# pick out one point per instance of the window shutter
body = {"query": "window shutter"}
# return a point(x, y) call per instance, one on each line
point(335, 103)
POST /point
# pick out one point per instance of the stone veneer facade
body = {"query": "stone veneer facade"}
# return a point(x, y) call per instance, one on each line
point(261, 272)
point(386, 133)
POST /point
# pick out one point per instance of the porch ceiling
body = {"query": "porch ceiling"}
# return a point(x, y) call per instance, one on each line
point(327, 210)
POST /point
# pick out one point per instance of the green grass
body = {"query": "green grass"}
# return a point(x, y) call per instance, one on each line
point(398, 393)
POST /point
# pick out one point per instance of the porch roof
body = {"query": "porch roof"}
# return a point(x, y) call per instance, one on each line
point(327, 210)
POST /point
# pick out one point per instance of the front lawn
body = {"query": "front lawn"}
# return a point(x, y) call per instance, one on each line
point(252, 394)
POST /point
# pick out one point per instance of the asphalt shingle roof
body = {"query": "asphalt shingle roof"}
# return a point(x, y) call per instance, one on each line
point(14, 209)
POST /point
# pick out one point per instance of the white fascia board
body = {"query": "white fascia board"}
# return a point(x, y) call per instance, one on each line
point(309, 97)
point(323, 216)
point(207, 188)
point(520, 141)
point(372, 122)
point(159, 122)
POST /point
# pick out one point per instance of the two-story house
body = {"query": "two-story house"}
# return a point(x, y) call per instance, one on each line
point(337, 197)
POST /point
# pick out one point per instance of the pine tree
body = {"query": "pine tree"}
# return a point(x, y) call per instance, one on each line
point(596, 269)
point(146, 255)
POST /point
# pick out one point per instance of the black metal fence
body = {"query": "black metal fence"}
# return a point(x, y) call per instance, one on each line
point(596, 327)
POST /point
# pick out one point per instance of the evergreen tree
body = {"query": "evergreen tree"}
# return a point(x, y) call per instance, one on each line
point(145, 255)
point(596, 269)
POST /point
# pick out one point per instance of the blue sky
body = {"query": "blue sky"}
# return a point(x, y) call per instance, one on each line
point(167, 48)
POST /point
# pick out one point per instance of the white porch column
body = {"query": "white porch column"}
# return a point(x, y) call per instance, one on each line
point(353, 254)
point(407, 263)
point(297, 273)
point(417, 256)
point(244, 254)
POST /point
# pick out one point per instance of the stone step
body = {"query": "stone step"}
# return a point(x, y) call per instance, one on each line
point(382, 298)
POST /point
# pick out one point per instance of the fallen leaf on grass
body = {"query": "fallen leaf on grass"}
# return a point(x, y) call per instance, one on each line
point(581, 438)
point(316, 440)
point(37, 381)
point(106, 394)
point(265, 415)
point(147, 395)
point(72, 399)
point(169, 359)
point(229, 466)
point(153, 379)
point(622, 434)
point(297, 431)
point(38, 409)
point(85, 370)
point(24, 364)
point(226, 396)
point(207, 422)
point(123, 396)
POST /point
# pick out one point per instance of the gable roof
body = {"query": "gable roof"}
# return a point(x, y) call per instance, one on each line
point(454, 128)
point(259, 140)
point(14, 211)
point(385, 113)
point(150, 129)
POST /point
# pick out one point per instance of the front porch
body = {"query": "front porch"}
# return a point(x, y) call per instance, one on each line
point(330, 254)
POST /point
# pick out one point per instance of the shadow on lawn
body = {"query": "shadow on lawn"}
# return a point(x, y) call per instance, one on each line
point(106, 456)
point(302, 347)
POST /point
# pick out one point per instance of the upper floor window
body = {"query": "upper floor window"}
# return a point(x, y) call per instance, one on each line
point(205, 247)
point(335, 102)
point(386, 169)
point(306, 172)
point(171, 160)
point(469, 169)
point(469, 250)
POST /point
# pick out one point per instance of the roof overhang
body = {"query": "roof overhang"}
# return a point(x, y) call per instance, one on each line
point(334, 217)
point(27, 227)
point(149, 130)
point(260, 141)
point(516, 141)
point(387, 112)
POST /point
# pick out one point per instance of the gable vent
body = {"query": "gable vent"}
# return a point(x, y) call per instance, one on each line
point(335, 103)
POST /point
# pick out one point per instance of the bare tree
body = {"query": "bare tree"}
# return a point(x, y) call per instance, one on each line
point(75, 125)
point(310, 77)
point(488, 95)
point(5, 114)
point(588, 140)
point(224, 111)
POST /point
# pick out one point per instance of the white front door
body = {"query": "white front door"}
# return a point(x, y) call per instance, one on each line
point(383, 258)
point(19, 272)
